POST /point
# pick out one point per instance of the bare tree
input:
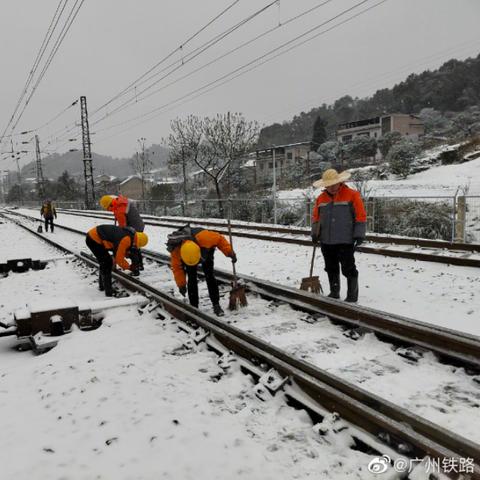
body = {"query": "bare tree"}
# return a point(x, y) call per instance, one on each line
point(229, 137)
point(214, 167)
point(184, 143)
point(142, 165)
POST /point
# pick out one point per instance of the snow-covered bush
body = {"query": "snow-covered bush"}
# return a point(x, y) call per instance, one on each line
point(401, 156)
point(327, 151)
point(412, 218)
point(386, 142)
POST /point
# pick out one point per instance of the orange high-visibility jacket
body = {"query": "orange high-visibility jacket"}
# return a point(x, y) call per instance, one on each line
point(126, 213)
point(341, 217)
point(206, 240)
point(113, 238)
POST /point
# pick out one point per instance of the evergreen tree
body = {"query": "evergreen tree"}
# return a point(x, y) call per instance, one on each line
point(67, 187)
point(319, 131)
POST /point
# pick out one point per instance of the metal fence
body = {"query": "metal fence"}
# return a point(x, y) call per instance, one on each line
point(454, 218)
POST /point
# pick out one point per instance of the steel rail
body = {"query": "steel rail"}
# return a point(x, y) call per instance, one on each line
point(373, 237)
point(461, 261)
point(457, 347)
point(366, 411)
point(377, 238)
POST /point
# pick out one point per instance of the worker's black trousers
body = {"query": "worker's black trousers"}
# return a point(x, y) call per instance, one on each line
point(48, 221)
point(101, 254)
point(212, 285)
point(340, 255)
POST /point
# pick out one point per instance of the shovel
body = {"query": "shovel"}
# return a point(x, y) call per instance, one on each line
point(237, 294)
point(312, 283)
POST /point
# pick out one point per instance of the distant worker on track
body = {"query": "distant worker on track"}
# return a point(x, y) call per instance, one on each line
point(48, 211)
point(122, 242)
point(127, 216)
point(188, 248)
point(338, 226)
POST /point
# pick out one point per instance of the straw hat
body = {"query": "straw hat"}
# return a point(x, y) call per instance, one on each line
point(331, 177)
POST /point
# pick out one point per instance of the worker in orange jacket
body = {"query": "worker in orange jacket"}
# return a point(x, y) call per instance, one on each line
point(122, 242)
point(188, 248)
point(339, 225)
point(127, 216)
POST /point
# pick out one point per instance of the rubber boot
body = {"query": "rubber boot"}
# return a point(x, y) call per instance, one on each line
point(107, 282)
point(140, 260)
point(334, 280)
point(101, 285)
point(218, 311)
point(352, 292)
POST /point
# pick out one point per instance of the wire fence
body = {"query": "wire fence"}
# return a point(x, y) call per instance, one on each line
point(454, 218)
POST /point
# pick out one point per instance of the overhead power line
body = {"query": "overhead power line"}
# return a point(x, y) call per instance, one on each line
point(195, 53)
point(70, 128)
point(164, 59)
point(67, 23)
point(66, 27)
point(137, 99)
point(258, 61)
point(38, 58)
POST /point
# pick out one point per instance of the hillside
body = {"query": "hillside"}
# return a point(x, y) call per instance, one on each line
point(453, 87)
point(54, 165)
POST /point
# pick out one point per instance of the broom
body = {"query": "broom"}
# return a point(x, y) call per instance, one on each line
point(312, 283)
point(237, 294)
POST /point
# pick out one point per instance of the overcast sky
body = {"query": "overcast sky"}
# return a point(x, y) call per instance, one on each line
point(113, 42)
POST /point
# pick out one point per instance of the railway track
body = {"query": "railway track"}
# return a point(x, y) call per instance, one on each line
point(460, 254)
point(371, 419)
point(456, 347)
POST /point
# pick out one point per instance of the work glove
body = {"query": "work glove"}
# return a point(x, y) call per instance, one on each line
point(357, 242)
point(182, 290)
point(315, 239)
point(233, 256)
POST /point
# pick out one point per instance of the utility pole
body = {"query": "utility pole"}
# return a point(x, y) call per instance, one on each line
point(274, 187)
point(40, 180)
point(87, 156)
point(143, 166)
point(19, 177)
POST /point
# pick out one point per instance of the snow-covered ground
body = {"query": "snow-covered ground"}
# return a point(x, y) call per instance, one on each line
point(436, 293)
point(126, 401)
point(441, 393)
point(441, 181)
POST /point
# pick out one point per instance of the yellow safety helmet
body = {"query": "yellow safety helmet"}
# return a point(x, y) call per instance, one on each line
point(190, 253)
point(141, 239)
point(106, 201)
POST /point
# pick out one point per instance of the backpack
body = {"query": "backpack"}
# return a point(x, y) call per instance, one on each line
point(176, 238)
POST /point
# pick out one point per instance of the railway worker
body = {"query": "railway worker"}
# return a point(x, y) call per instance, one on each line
point(48, 211)
point(338, 226)
point(127, 216)
point(122, 242)
point(190, 247)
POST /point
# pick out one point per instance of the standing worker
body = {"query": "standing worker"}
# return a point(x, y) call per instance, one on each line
point(339, 225)
point(48, 211)
point(127, 216)
point(190, 246)
point(122, 242)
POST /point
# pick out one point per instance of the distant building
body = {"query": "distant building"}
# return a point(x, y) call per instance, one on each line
point(248, 170)
point(106, 184)
point(376, 127)
point(406, 124)
point(202, 181)
point(131, 187)
point(287, 157)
